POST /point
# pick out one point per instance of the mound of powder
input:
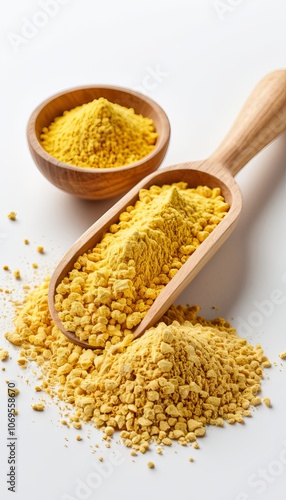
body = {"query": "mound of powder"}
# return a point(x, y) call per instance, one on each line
point(99, 134)
point(180, 376)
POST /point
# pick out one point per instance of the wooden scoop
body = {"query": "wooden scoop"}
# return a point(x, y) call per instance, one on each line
point(262, 118)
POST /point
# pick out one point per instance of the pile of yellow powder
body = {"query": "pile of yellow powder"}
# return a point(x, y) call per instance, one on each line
point(112, 286)
point(99, 134)
point(180, 376)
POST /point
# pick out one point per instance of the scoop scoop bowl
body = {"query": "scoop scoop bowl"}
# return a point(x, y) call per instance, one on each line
point(261, 120)
point(96, 183)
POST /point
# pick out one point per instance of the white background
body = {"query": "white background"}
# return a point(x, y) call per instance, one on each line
point(207, 57)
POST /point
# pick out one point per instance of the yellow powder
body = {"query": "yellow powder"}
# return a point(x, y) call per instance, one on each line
point(12, 215)
point(180, 376)
point(13, 392)
point(38, 406)
point(4, 354)
point(113, 285)
point(17, 274)
point(267, 402)
point(99, 134)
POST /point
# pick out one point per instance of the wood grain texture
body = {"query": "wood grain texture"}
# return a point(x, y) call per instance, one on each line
point(261, 120)
point(89, 183)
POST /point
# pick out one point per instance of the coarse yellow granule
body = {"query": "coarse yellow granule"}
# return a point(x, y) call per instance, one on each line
point(4, 354)
point(255, 401)
point(13, 392)
point(266, 364)
point(282, 355)
point(79, 438)
point(6, 268)
point(151, 465)
point(113, 285)
point(17, 274)
point(35, 266)
point(22, 362)
point(26, 241)
point(267, 402)
point(99, 134)
point(12, 215)
point(168, 385)
point(77, 425)
point(38, 406)
point(40, 249)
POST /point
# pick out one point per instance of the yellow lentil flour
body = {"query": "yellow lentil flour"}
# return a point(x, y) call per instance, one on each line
point(180, 376)
point(99, 134)
point(113, 285)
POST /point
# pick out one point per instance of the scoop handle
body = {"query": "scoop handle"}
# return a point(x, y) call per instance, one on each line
point(262, 118)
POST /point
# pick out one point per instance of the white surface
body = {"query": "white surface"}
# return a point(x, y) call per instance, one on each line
point(208, 56)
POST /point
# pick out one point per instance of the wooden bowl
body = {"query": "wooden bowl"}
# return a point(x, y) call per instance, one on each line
point(96, 183)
